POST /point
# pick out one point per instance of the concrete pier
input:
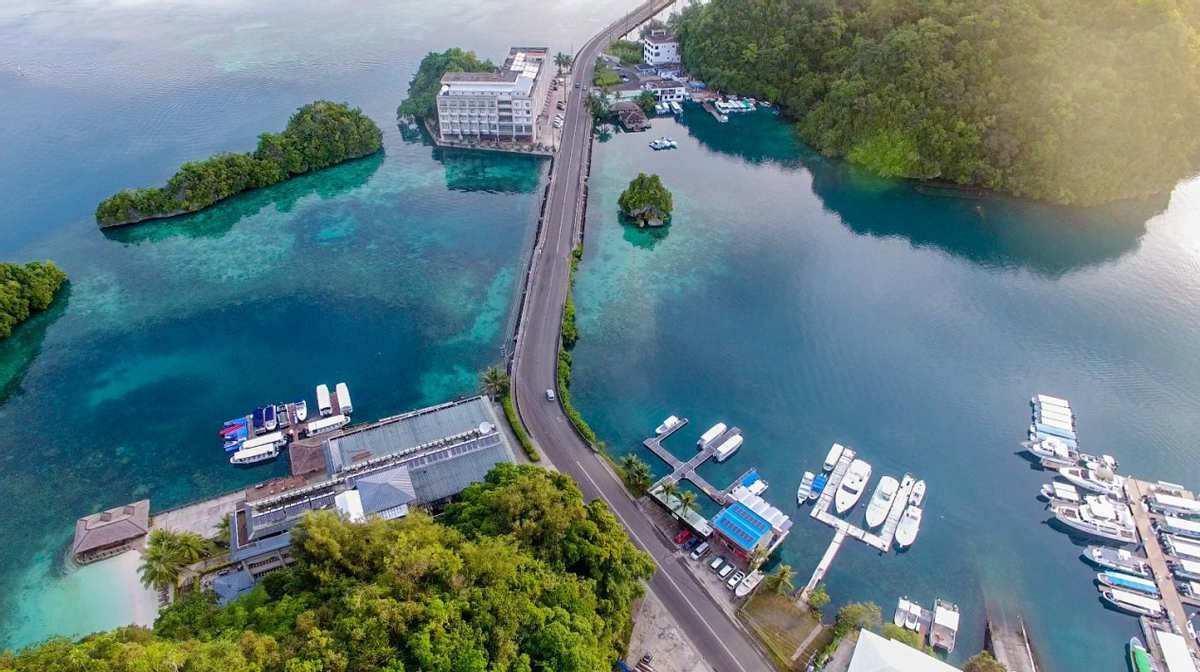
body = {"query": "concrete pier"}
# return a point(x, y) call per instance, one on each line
point(686, 471)
point(1009, 643)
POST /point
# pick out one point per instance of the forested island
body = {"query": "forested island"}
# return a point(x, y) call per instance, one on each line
point(646, 201)
point(520, 575)
point(1075, 101)
point(24, 290)
point(318, 135)
point(427, 82)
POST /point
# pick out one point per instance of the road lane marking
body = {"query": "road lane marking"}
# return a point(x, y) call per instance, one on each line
point(664, 574)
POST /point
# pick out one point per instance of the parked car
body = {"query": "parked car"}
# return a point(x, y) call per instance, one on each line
point(717, 563)
point(699, 551)
point(691, 543)
point(683, 536)
point(734, 580)
point(562, 105)
point(725, 570)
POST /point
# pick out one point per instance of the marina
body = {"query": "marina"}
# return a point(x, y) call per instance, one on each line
point(276, 426)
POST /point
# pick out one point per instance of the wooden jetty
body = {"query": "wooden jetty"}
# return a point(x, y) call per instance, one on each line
point(686, 471)
point(1136, 491)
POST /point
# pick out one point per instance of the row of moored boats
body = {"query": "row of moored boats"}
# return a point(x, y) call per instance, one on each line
point(938, 627)
point(260, 436)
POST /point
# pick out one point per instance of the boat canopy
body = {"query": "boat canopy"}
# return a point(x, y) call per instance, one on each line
point(1044, 436)
point(253, 454)
point(1055, 431)
point(1190, 566)
point(1132, 582)
point(1182, 525)
point(272, 439)
point(1141, 660)
point(1065, 492)
point(712, 433)
point(1175, 652)
point(1173, 504)
point(1135, 600)
point(1181, 547)
point(1047, 399)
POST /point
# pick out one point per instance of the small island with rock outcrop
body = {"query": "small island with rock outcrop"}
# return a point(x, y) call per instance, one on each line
point(646, 201)
point(318, 135)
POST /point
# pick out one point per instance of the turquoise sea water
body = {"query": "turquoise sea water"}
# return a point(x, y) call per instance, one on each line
point(394, 273)
point(808, 303)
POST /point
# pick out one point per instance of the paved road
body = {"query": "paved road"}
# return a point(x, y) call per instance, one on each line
point(722, 642)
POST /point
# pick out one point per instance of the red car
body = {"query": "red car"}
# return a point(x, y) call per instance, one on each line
point(683, 536)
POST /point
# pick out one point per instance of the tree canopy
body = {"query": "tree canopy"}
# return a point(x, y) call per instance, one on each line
point(645, 199)
point(905, 636)
point(1074, 101)
point(984, 662)
point(318, 135)
point(522, 575)
point(425, 84)
point(24, 290)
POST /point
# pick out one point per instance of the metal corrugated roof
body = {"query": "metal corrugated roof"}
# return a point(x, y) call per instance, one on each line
point(448, 472)
point(387, 489)
point(405, 432)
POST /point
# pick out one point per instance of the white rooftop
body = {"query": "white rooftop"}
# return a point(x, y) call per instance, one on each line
point(350, 504)
point(1175, 652)
point(877, 654)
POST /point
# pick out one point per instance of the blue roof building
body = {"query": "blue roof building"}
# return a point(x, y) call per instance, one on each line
point(742, 527)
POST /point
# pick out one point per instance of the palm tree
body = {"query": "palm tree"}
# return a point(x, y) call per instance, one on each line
point(562, 61)
point(637, 473)
point(781, 580)
point(189, 547)
point(757, 557)
point(160, 568)
point(222, 535)
point(667, 491)
point(687, 502)
point(494, 382)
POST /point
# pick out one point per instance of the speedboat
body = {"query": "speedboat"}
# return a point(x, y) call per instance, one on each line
point(666, 425)
point(269, 420)
point(818, 486)
point(1119, 559)
point(1139, 658)
point(918, 494)
point(805, 488)
point(281, 414)
point(301, 410)
point(1053, 453)
point(748, 584)
point(1099, 517)
point(835, 454)
point(881, 501)
point(851, 489)
point(1132, 603)
point(910, 524)
point(1101, 480)
point(901, 612)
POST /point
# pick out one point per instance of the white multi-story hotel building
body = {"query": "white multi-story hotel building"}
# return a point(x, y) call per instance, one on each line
point(660, 47)
point(503, 105)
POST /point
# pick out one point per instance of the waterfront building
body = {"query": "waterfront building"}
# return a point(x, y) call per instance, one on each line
point(112, 532)
point(750, 524)
point(660, 47)
point(667, 90)
point(630, 115)
point(873, 653)
point(501, 106)
point(422, 459)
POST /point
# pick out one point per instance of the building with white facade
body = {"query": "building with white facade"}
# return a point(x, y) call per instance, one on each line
point(660, 47)
point(667, 90)
point(500, 106)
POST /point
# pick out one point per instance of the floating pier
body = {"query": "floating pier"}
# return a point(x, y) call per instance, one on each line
point(686, 471)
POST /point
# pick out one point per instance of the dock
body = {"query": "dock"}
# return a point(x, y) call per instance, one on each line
point(1009, 644)
point(686, 471)
point(1136, 491)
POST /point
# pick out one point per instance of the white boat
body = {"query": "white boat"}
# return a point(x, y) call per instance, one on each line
point(324, 406)
point(1099, 517)
point(1170, 504)
point(666, 425)
point(748, 584)
point(1129, 582)
point(901, 615)
point(1181, 547)
point(712, 433)
point(1132, 603)
point(1184, 527)
point(945, 626)
point(881, 501)
point(676, 107)
point(276, 439)
point(1047, 399)
point(1102, 480)
point(1052, 421)
point(910, 525)
point(326, 425)
point(1117, 558)
point(805, 488)
point(269, 419)
point(835, 454)
point(1185, 569)
point(301, 410)
point(345, 407)
point(1053, 453)
point(918, 494)
point(728, 448)
point(257, 454)
point(1061, 492)
point(1057, 415)
point(851, 488)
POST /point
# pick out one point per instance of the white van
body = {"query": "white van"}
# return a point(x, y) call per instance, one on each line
point(699, 551)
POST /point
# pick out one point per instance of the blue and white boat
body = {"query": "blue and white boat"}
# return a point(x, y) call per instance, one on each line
point(269, 420)
point(257, 419)
point(301, 410)
point(1128, 582)
point(818, 486)
point(1054, 431)
point(805, 488)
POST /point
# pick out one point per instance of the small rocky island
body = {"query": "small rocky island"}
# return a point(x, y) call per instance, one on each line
point(318, 135)
point(646, 201)
point(25, 290)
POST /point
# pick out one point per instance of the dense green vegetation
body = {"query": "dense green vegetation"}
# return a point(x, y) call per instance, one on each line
point(425, 84)
point(628, 51)
point(984, 662)
point(167, 554)
point(1074, 101)
point(317, 136)
point(570, 333)
point(911, 638)
point(25, 290)
point(647, 100)
point(645, 199)
point(522, 575)
point(513, 421)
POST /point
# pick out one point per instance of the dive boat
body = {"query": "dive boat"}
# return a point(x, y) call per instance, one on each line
point(666, 425)
point(910, 524)
point(1139, 658)
point(257, 420)
point(1101, 480)
point(1099, 517)
point(851, 489)
point(301, 410)
point(805, 488)
point(881, 501)
point(748, 584)
point(1132, 603)
point(728, 448)
point(1129, 582)
point(269, 420)
point(1188, 570)
point(835, 454)
point(945, 626)
point(261, 453)
point(818, 486)
point(1061, 492)
point(918, 493)
point(1053, 453)
point(711, 435)
point(1118, 559)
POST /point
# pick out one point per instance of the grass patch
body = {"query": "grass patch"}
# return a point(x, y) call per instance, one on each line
point(518, 430)
point(628, 51)
point(782, 627)
point(606, 77)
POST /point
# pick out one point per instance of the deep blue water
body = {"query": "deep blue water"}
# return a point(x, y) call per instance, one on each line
point(808, 304)
point(395, 273)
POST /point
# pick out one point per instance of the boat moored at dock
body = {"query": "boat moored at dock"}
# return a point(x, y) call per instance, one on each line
point(945, 626)
point(345, 407)
point(1189, 570)
point(851, 489)
point(666, 425)
point(269, 420)
point(1184, 527)
point(1181, 547)
point(1118, 559)
point(1132, 603)
point(748, 584)
point(711, 435)
point(1171, 505)
point(918, 494)
point(1099, 517)
point(910, 525)
point(1139, 658)
point(324, 405)
point(1042, 428)
point(261, 453)
point(1128, 582)
point(835, 453)
point(326, 425)
point(1039, 399)
point(301, 410)
point(728, 448)
point(805, 488)
point(881, 501)
point(1061, 492)
point(818, 486)
point(1101, 480)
